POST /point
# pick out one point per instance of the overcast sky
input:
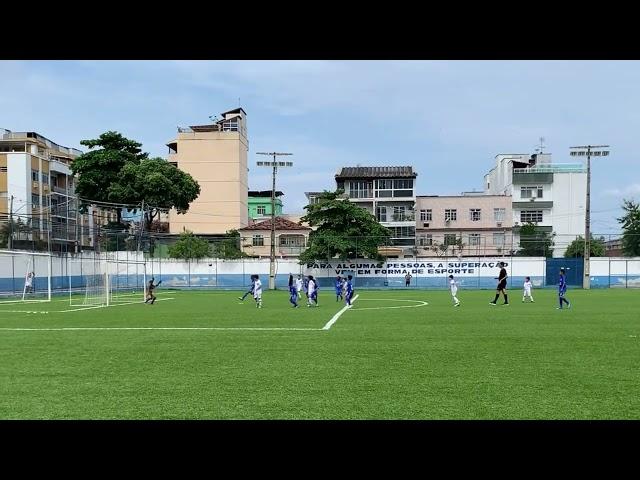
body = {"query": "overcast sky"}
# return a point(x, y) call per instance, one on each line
point(446, 118)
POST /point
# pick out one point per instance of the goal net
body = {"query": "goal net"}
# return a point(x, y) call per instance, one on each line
point(25, 276)
point(99, 281)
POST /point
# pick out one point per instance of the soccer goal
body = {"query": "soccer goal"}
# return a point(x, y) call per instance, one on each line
point(98, 281)
point(25, 276)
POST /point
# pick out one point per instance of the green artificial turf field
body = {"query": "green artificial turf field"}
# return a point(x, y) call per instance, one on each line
point(205, 355)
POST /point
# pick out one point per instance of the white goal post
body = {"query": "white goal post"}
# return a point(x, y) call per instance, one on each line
point(25, 276)
point(101, 281)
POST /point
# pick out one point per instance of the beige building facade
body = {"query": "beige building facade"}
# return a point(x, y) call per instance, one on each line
point(471, 224)
point(291, 238)
point(215, 156)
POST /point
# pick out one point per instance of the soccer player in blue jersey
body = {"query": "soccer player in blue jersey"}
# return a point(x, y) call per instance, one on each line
point(562, 290)
point(305, 285)
point(250, 291)
point(349, 291)
point(339, 288)
point(293, 292)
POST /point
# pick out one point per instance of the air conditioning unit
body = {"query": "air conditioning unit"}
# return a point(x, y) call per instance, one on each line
point(499, 224)
point(532, 199)
point(35, 185)
point(425, 225)
point(45, 187)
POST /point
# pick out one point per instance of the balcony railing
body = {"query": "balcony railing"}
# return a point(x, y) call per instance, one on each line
point(361, 194)
point(554, 168)
point(399, 217)
point(291, 250)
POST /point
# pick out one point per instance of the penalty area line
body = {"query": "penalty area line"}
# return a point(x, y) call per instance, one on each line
point(112, 305)
point(335, 318)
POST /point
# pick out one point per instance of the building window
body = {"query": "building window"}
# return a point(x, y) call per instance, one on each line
point(531, 216)
point(423, 215)
point(258, 241)
point(531, 192)
point(403, 184)
point(474, 239)
point(360, 189)
point(45, 178)
point(35, 176)
point(381, 214)
point(450, 239)
point(385, 184)
point(450, 215)
point(428, 215)
point(474, 214)
point(498, 239)
point(499, 214)
point(403, 232)
point(262, 210)
point(230, 126)
point(291, 240)
point(425, 240)
point(400, 214)
point(35, 200)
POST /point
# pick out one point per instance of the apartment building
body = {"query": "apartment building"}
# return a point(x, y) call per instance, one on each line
point(471, 224)
point(388, 193)
point(550, 195)
point(215, 155)
point(37, 189)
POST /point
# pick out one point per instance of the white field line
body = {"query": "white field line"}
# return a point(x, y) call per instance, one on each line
point(112, 305)
point(420, 303)
point(335, 318)
point(22, 311)
point(62, 329)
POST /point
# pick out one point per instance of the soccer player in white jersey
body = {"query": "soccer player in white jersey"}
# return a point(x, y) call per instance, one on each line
point(453, 287)
point(527, 289)
point(28, 283)
point(312, 292)
point(257, 291)
point(299, 285)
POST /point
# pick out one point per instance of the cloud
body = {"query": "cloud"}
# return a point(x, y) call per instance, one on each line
point(628, 191)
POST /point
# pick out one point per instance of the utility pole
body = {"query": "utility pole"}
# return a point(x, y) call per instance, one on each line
point(581, 151)
point(274, 165)
point(10, 239)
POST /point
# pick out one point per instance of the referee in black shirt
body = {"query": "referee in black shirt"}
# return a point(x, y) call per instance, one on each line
point(502, 285)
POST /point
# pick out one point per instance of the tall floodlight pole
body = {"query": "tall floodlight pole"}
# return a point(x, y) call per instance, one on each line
point(581, 151)
point(274, 165)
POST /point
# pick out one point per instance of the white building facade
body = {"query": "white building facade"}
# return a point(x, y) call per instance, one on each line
point(551, 195)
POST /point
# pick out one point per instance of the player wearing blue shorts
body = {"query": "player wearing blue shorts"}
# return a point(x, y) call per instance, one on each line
point(562, 290)
point(293, 292)
point(349, 291)
point(339, 288)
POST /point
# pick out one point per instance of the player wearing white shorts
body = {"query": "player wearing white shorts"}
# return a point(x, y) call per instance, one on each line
point(257, 291)
point(299, 285)
point(527, 290)
point(453, 287)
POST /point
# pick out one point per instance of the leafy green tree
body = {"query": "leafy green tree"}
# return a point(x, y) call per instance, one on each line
point(630, 222)
point(229, 248)
point(156, 182)
point(344, 230)
point(189, 247)
point(576, 248)
point(535, 242)
point(100, 167)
